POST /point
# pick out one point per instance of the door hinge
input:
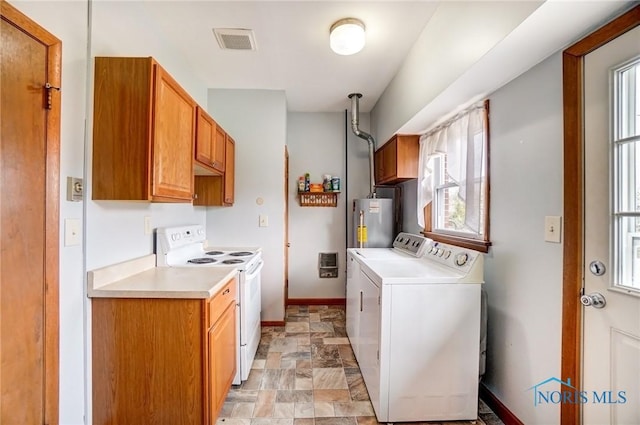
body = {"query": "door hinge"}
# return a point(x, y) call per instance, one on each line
point(48, 87)
point(378, 355)
point(379, 300)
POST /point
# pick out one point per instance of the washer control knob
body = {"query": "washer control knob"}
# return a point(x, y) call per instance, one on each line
point(461, 259)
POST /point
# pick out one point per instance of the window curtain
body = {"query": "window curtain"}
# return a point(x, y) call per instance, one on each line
point(462, 141)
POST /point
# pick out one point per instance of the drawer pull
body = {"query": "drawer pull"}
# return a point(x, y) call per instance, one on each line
point(226, 291)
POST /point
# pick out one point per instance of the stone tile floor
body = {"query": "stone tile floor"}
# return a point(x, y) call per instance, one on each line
point(306, 374)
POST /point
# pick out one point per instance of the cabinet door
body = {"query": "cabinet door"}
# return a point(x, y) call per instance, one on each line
point(173, 135)
point(229, 177)
point(389, 161)
point(219, 148)
point(369, 344)
point(222, 359)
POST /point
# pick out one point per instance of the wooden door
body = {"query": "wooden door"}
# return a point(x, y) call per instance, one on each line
point(611, 336)
point(230, 169)
point(29, 205)
point(574, 203)
point(173, 136)
point(286, 227)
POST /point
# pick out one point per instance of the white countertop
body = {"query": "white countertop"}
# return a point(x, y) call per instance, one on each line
point(140, 278)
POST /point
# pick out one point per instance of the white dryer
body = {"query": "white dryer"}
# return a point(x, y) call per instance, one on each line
point(413, 320)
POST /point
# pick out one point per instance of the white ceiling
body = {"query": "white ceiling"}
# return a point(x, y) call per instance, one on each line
point(293, 46)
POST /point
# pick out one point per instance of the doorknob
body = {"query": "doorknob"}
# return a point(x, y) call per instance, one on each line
point(288, 245)
point(596, 300)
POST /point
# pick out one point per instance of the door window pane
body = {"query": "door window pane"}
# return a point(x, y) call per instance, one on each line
point(626, 178)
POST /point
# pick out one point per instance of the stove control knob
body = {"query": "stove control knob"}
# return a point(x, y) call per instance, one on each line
point(440, 252)
point(447, 254)
point(461, 259)
point(174, 237)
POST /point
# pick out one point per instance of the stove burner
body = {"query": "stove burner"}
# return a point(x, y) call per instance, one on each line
point(201, 260)
point(215, 253)
point(241, 253)
point(233, 261)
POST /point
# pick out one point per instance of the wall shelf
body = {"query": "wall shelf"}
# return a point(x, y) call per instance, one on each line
point(318, 199)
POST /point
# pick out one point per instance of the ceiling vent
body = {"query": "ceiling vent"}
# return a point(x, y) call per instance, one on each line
point(235, 38)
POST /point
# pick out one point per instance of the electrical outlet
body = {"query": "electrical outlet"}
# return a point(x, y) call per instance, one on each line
point(74, 189)
point(552, 228)
point(263, 221)
point(147, 225)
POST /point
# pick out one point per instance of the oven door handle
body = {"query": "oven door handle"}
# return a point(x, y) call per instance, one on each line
point(255, 271)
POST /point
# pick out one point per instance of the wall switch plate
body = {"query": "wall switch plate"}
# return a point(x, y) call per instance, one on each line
point(74, 189)
point(552, 228)
point(263, 221)
point(72, 232)
point(147, 225)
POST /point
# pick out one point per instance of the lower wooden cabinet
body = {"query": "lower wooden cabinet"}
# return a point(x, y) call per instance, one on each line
point(162, 361)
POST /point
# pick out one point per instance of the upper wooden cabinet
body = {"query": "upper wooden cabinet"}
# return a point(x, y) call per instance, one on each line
point(210, 145)
point(144, 127)
point(397, 160)
point(218, 190)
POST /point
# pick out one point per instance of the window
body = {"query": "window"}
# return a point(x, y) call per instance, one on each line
point(626, 180)
point(453, 183)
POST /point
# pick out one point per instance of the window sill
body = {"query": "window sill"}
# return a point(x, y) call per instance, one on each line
point(475, 244)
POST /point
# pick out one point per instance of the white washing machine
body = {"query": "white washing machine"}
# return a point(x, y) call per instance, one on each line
point(414, 320)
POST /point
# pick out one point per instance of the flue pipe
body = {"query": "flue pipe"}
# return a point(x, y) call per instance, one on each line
point(355, 114)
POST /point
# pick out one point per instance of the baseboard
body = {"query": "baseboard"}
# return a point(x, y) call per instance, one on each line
point(316, 301)
point(272, 323)
point(498, 408)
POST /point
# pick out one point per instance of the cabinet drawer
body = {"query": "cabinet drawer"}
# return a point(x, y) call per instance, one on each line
point(220, 301)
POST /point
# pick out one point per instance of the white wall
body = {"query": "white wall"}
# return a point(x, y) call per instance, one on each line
point(523, 273)
point(257, 120)
point(430, 68)
point(316, 143)
point(115, 230)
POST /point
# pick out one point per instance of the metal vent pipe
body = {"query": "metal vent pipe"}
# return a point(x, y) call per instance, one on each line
point(355, 114)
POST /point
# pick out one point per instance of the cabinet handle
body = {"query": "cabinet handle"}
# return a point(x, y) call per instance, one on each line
point(360, 300)
point(226, 291)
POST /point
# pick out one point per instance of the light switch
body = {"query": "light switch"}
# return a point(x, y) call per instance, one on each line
point(552, 228)
point(263, 221)
point(147, 225)
point(72, 232)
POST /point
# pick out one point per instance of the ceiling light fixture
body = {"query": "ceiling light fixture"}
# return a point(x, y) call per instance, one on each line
point(346, 36)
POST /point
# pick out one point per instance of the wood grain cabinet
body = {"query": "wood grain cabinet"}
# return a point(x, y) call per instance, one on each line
point(143, 133)
point(210, 145)
point(397, 160)
point(163, 361)
point(218, 190)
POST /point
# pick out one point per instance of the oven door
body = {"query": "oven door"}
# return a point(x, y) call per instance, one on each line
point(250, 307)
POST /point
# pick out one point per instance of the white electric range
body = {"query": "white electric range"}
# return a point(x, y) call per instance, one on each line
point(184, 247)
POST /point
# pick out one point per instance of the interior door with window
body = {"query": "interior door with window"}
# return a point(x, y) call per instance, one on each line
point(611, 326)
